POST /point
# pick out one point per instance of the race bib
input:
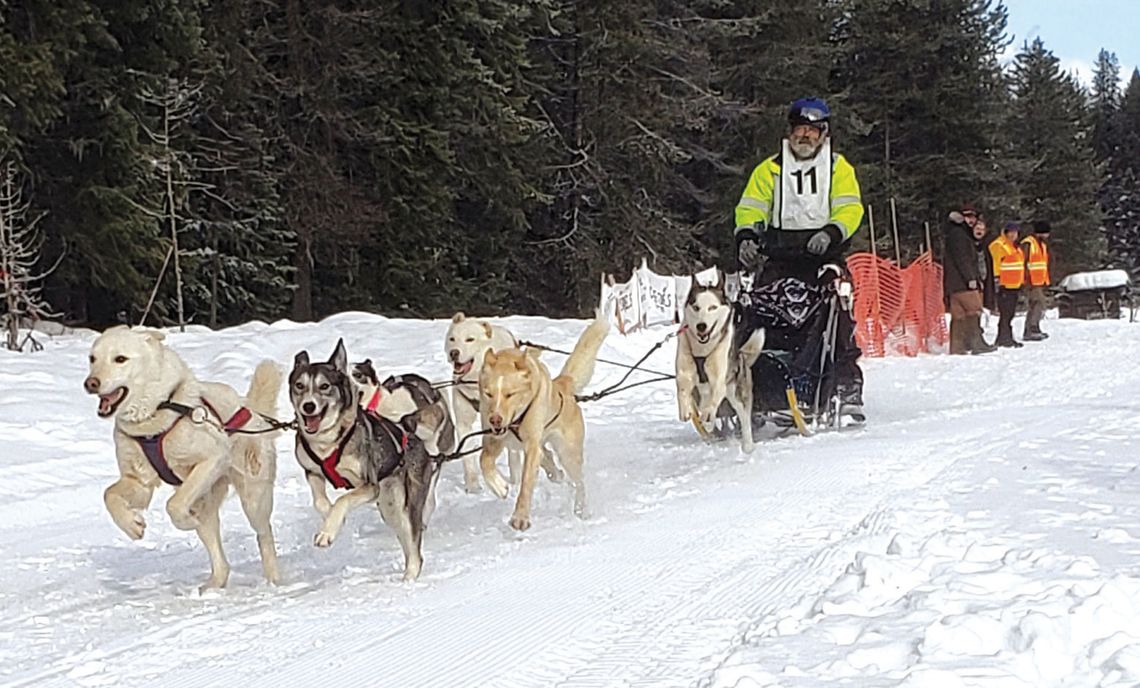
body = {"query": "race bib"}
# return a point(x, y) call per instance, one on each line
point(804, 201)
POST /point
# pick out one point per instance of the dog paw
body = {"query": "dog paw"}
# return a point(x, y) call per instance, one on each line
point(412, 570)
point(324, 539)
point(747, 447)
point(498, 484)
point(215, 582)
point(520, 522)
point(472, 486)
point(132, 523)
point(582, 511)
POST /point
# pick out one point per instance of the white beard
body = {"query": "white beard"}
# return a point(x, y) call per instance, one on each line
point(804, 150)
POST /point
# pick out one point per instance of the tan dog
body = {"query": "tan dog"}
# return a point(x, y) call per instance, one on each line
point(467, 341)
point(170, 427)
point(523, 407)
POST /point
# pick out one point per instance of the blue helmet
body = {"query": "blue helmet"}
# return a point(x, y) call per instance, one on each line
point(811, 111)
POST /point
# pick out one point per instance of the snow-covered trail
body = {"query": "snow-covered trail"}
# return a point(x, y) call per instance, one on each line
point(692, 555)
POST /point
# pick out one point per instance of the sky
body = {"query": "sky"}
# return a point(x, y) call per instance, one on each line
point(1076, 30)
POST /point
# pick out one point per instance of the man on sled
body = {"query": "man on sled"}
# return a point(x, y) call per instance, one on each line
point(794, 219)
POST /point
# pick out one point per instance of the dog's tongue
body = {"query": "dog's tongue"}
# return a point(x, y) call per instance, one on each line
point(107, 401)
point(312, 423)
point(463, 368)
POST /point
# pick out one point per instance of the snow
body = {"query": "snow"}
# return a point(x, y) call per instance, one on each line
point(1100, 279)
point(982, 530)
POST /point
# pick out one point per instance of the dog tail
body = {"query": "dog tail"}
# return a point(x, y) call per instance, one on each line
point(263, 388)
point(751, 348)
point(580, 366)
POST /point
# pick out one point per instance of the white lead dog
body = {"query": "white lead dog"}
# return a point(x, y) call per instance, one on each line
point(170, 427)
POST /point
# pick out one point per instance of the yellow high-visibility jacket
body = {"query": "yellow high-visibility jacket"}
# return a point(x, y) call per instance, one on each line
point(1037, 260)
point(757, 201)
point(1008, 261)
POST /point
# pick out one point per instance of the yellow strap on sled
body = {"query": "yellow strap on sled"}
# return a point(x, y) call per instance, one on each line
point(797, 417)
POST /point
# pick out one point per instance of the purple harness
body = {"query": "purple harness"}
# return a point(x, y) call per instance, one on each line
point(151, 445)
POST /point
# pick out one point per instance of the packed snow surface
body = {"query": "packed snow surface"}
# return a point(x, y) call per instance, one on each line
point(982, 530)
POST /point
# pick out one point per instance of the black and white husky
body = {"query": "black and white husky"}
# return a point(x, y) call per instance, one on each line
point(375, 459)
point(711, 366)
point(400, 396)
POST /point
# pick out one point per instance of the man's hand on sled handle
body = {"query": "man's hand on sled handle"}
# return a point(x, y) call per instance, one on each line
point(749, 244)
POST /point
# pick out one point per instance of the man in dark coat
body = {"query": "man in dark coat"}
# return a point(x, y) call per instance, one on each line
point(962, 283)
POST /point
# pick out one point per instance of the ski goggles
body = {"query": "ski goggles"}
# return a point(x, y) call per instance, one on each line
point(809, 115)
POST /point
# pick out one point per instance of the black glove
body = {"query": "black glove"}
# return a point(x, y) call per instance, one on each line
point(819, 243)
point(749, 241)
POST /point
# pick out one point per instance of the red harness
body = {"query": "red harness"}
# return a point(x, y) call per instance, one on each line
point(152, 444)
point(374, 402)
point(329, 463)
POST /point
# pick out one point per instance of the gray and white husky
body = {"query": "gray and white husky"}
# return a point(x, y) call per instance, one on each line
point(711, 366)
point(375, 459)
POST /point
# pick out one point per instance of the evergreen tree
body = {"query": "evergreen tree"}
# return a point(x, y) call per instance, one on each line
point(91, 164)
point(238, 242)
point(612, 98)
point(1121, 198)
point(1056, 176)
point(402, 161)
point(924, 118)
point(763, 57)
point(1105, 102)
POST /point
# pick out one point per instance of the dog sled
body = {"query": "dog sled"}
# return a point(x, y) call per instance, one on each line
point(794, 379)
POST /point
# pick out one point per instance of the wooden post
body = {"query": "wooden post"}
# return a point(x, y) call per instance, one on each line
point(871, 224)
point(157, 284)
point(898, 250)
point(877, 313)
point(895, 233)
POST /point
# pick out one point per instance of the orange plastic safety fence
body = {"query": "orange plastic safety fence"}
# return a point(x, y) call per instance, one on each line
point(898, 311)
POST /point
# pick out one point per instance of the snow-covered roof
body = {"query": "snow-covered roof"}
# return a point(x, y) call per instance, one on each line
point(1099, 279)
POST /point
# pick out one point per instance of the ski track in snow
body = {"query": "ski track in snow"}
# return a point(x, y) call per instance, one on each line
point(945, 544)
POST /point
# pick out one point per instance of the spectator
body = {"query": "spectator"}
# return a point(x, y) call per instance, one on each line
point(962, 282)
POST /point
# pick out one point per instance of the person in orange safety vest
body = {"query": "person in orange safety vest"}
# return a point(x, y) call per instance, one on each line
point(1009, 271)
point(1036, 250)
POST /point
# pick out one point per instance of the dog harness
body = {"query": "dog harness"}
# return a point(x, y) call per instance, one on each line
point(514, 427)
point(394, 382)
point(329, 463)
point(374, 402)
point(151, 445)
point(700, 361)
point(409, 382)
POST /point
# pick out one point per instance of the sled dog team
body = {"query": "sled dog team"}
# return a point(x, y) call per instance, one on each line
point(376, 442)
